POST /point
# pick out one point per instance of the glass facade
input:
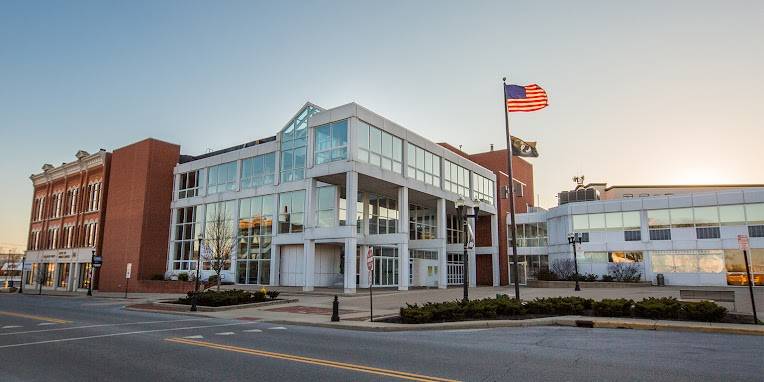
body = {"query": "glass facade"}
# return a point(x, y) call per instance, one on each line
point(291, 211)
point(188, 184)
point(735, 266)
point(423, 165)
point(379, 148)
point(688, 261)
point(255, 231)
point(530, 235)
point(331, 142)
point(219, 226)
point(456, 179)
point(454, 231)
point(258, 171)
point(385, 265)
point(221, 178)
point(184, 244)
point(294, 142)
point(383, 214)
point(610, 221)
point(326, 206)
point(423, 224)
point(483, 188)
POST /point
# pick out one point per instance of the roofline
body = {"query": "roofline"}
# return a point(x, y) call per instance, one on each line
point(686, 186)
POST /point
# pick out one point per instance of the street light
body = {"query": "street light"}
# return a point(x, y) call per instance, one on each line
point(461, 207)
point(575, 238)
point(92, 270)
point(21, 283)
point(196, 280)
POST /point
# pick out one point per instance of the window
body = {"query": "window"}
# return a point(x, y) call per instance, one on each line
point(84, 275)
point(517, 188)
point(531, 235)
point(483, 188)
point(456, 179)
point(255, 231)
point(34, 240)
point(331, 142)
point(658, 219)
point(291, 211)
point(735, 266)
point(688, 261)
point(454, 231)
point(625, 257)
point(90, 230)
point(385, 265)
point(38, 208)
point(221, 178)
point(422, 223)
point(707, 232)
point(754, 213)
point(58, 204)
point(383, 215)
point(215, 212)
point(187, 227)
point(52, 238)
point(71, 200)
point(258, 171)
point(660, 234)
point(68, 236)
point(584, 237)
point(326, 206)
point(294, 140)
point(93, 197)
point(634, 235)
point(756, 230)
point(188, 184)
point(379, 148)
point(423, 165)
point(681, 217)
point(732, 215)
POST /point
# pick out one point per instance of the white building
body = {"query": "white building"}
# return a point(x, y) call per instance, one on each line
point(689, 238)
point(307, 205)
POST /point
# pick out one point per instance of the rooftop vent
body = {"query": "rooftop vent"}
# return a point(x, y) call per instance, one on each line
point(81, 154)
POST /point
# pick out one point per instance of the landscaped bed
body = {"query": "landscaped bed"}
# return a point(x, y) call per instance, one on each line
point(228, 297)
point(506, 308)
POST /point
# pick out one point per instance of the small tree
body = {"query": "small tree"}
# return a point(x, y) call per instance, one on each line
point(625, 272)
point(564, 269)
point(218, 243)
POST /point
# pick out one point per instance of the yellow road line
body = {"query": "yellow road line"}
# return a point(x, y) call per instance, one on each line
point(313, 361)
point(33, 317)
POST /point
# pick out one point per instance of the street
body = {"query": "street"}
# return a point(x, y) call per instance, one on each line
point(46, 338)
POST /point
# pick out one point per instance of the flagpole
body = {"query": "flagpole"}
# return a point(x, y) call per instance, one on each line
point(513, 226)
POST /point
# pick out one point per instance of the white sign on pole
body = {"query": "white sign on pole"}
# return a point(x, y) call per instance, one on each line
point(471, 240)
point(742, 242)
point(370, 259)
point(129, 269)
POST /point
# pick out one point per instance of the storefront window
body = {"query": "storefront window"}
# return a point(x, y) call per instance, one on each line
point(291, 211)
point(258, 171)
point(331, 141)
point(221, 178)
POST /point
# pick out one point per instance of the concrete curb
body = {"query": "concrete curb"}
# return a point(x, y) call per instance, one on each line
point(570, 321)
point(184, 308)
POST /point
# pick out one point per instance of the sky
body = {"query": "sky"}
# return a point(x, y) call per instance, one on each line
point(654, 92)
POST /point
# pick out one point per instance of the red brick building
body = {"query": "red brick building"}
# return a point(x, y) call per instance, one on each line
point(496, 161)
point(65, 226)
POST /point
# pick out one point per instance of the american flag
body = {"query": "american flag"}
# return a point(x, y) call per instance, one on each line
point(525, 98)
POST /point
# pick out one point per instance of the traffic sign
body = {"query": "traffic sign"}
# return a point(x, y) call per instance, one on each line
point(742, 242)
point(97, 260)
point(370, 259)
point(96, 265)
point(129, 269)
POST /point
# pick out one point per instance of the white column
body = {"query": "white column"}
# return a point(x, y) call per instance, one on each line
point(442, 255)
point(275, 262)
point(351, 197)
point(350, 265)
point(363, 272)
point(309, 256)
point(403, 248)
point(310, 204)
point(70, 283)
point(495, 263)
point(471, 254)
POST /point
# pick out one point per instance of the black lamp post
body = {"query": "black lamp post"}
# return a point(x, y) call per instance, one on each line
point(573, 239)
point(463, 216)
point(92, 271)
point(196, 280)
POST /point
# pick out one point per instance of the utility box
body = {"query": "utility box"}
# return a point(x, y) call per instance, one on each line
point(660, 280)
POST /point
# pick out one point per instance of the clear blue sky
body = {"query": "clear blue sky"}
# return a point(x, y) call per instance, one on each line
point(648, 92)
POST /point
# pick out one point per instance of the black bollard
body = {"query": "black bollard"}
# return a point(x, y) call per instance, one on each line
point(336, 309)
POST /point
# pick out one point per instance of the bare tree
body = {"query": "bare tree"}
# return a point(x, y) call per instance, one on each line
point(565, 269)
point(218, 243)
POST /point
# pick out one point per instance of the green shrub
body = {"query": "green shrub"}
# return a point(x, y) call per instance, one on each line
point(608, 278)
point(546, 275)
point(272, 294)
point(703, 311)
point(183, 276)
point(619, 307)
point(157, 276)
point(589, 277)
point(658, 308)
point(223, 298)
point(558, 305)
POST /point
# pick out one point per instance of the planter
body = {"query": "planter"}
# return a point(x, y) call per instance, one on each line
point(586, 284)
point(172, 305)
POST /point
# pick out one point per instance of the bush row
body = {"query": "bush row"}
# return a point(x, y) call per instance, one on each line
point(228, 297)
point(503, 306)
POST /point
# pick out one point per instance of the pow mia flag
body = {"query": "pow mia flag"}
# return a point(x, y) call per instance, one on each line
point(522, 148)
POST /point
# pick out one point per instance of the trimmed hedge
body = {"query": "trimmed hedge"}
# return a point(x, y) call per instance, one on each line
point(505, 307)
point(223, 298)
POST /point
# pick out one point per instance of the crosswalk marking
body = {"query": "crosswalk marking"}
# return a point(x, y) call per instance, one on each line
point(10, 326)
point(252, 331)
point(46, 323)
point(224, 334)
point(277, 328)
point(194, 337)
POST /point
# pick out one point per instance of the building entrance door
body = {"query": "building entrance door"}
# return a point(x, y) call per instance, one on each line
point(522, 271)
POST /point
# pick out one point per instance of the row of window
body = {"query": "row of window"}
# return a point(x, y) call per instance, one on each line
point(68, 237)
point(609, 221)
point(66, 203)
point(736, 214)
point(45, 274)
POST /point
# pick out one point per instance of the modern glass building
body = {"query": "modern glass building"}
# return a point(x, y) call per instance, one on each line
point(305, 206)
point(691, 239)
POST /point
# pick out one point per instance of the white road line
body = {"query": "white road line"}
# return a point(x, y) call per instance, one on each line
point(196, 337)
point(103, 325)
point(120, 334)
point(224, 334)
point(277, 328)
point(252, 331)
point(46, 323)
point(10, 327)
point(464, 330)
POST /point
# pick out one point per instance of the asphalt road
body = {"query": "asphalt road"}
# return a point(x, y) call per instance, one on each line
point(75, 339)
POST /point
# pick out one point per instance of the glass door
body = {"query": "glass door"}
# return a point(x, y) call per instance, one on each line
point(522, 271)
